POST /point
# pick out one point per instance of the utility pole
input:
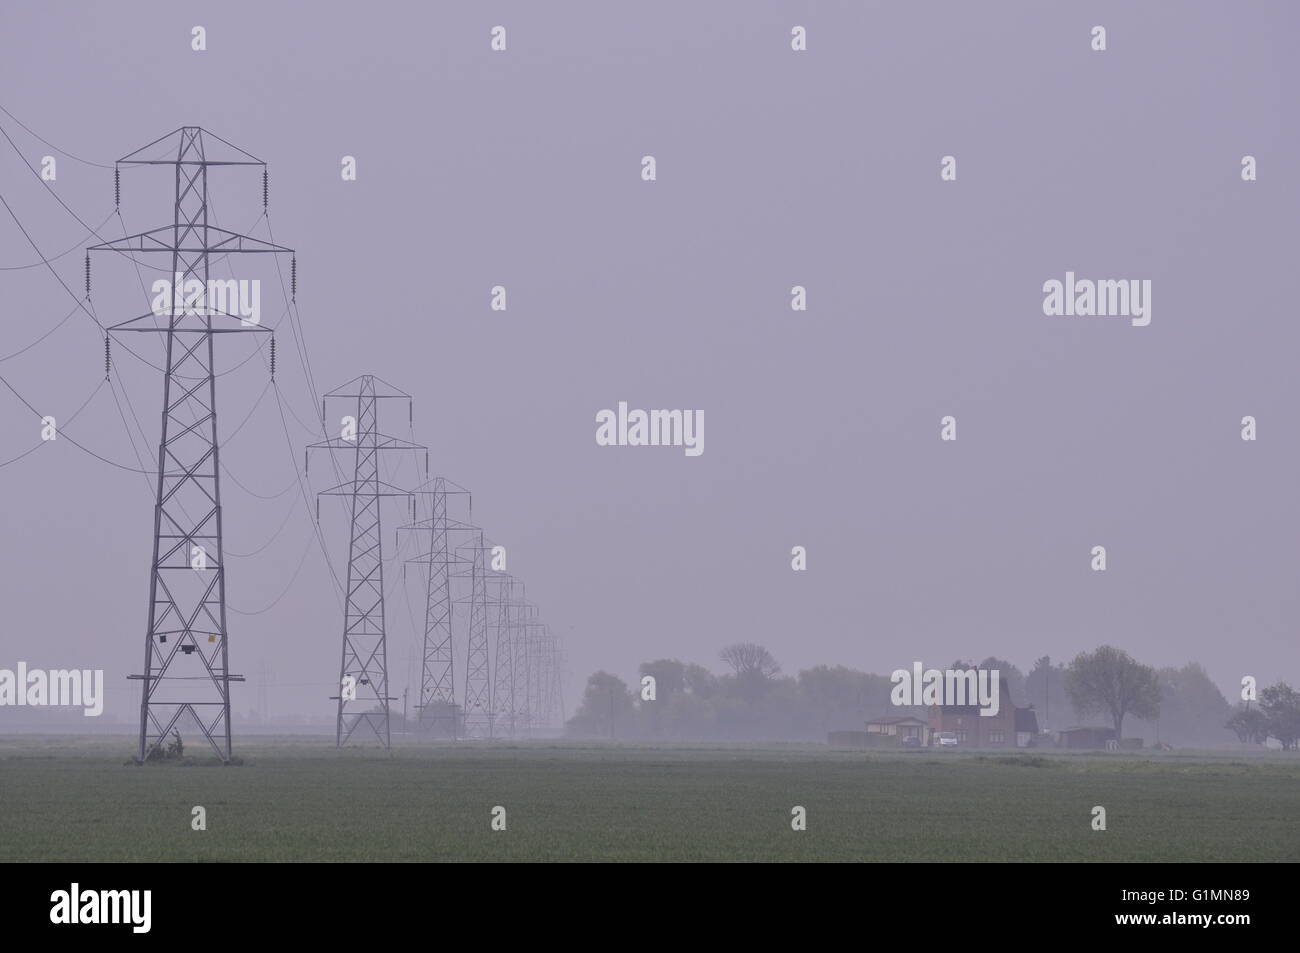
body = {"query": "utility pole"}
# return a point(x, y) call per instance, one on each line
point(186, 650)
point(363, 672)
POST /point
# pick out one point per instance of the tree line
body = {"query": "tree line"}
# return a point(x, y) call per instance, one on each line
point(751, 699)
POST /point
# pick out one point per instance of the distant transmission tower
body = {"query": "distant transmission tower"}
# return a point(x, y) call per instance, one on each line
point(538, 679)
point(478, 685)
point(186, 652)
point(557, 680)
point(363, 675)
point(503, 679)
point(525, 623)
point(437, 703)
point(550, 709)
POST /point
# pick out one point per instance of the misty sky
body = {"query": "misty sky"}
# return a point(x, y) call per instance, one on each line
point(775, 168)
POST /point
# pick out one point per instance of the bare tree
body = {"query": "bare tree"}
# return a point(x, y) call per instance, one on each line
point(754, 667)
point(748, 660)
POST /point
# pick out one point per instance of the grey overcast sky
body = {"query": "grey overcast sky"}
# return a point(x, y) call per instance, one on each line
point(775, 169)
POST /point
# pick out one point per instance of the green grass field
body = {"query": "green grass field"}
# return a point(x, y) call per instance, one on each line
point(296, 799)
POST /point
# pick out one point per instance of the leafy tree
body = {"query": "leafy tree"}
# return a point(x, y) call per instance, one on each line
point(1008, 674)
point(688, 716)
point(836, 697)
point(1045, 690)
point(699, 680)
point(606, 709)
point(1249, 725)
point(1192, 708)
point(1281, 706)
point(1110, 681)
point(669, 675)
point(1012, 676)
point(670, 682)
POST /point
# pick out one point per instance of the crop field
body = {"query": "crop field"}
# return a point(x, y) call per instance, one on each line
point(299, 799)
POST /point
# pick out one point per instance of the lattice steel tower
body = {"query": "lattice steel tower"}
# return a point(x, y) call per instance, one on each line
point(437, 702)
point(363, 674)
point(525, 619)
point(187, 652)
point(478, 685)
point(503, 678)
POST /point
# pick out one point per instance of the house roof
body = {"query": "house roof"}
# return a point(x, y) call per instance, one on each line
point(1004, 701)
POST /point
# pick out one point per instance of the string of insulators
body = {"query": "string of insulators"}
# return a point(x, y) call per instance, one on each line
point(272, 357)
point(266, 187)
point(108, 356)
point(87, 274)
point(318, 509)
point(117, 188)
point(293, 277)
point(410, 411)
point(426, 463)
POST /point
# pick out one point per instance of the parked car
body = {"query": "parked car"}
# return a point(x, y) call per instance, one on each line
point(945, 739)
point(911, 741)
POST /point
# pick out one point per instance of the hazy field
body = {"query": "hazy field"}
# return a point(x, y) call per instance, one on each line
point(300, 799)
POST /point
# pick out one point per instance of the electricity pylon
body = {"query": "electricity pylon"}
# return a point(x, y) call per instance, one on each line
point(187, 652)
point(557, 680)
point(521, 691)
point(477, 704)
point(538, 679)
point(437, 701)
point(547, 679)
point(363, 674)
point(503, 679)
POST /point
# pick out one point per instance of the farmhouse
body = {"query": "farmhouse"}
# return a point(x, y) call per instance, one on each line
point(900, 727)
point(1006, 729)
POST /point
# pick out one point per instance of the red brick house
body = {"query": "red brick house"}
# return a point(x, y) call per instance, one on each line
point(974, 730)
